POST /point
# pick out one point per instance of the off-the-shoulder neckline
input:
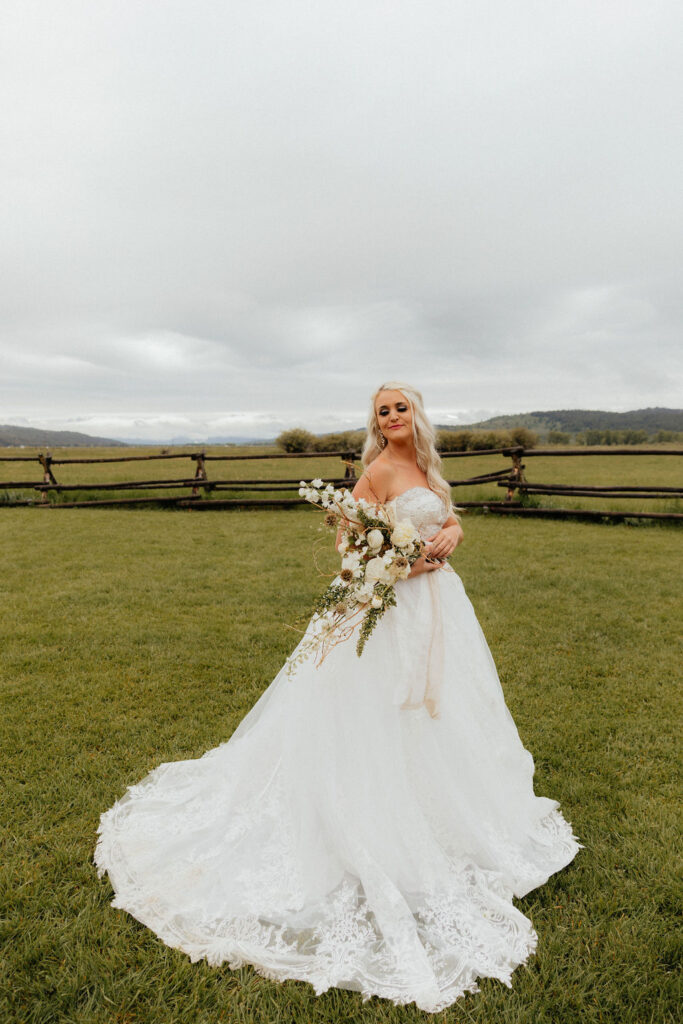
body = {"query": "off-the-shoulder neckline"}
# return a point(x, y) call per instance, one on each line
point(418, 487)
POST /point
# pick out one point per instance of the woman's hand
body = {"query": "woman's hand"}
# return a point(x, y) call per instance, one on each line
point(420, 565)
point(444, 543)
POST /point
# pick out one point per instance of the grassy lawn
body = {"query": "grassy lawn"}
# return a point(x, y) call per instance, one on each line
point(644, 470)
point(135, 637)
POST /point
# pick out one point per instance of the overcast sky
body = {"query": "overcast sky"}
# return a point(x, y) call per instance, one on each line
point(228, 216)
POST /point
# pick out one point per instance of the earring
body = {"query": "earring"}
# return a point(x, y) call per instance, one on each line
point(382, 440)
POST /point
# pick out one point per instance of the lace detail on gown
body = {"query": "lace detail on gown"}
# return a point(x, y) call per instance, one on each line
point(345, 837)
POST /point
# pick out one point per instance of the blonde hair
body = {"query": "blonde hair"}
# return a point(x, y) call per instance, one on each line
point(424, 439)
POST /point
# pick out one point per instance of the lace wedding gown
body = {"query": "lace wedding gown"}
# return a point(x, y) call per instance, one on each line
point(367, 824)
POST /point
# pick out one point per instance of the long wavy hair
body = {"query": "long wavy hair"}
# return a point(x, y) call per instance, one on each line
point(424, 439)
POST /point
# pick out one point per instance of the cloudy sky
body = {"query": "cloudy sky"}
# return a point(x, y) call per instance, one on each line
point(221, 217)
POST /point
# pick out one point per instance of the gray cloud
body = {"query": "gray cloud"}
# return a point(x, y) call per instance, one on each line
point(259, 210)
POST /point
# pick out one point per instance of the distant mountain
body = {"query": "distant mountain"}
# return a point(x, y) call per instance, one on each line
point(575, 420)
point(222, 439)
point(14, 437)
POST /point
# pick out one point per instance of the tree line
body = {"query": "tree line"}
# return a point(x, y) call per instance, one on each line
point(452, 440)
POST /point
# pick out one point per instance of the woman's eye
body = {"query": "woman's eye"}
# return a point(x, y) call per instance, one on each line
point(383, 412)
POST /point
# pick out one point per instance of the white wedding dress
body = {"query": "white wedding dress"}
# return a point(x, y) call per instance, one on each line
point(366, 826)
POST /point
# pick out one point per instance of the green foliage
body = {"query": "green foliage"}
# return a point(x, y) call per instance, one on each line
point(151, 647)
point(668, 436)
point(613, 437)
point(343, 441)
point(523, 436)
point(296, 440)
point(481, 440)
point(485, 439)
point(453, 440)
point(559, 437)
point(373, 616)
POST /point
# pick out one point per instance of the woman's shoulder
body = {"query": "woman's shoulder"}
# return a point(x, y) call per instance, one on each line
point(376, 480)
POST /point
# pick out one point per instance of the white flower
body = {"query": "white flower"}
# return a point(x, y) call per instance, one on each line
point(317, 482)
point(302, 492)
point(375, 540)
point(398, 573)
point(343, 544)
point(338, 495)
point(403, 534)
point(364, 592)
point(376, 602)
point(302, 483)
point(376, 571)
point(351, 560)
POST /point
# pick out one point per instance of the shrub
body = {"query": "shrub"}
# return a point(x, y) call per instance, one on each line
point(559, 437)
point(635, 436)
point(453, 440)
point(484, 439)
point(609, 437)
point(296, 440)
point(668, 435)
point(522, 435)
point(344, 441)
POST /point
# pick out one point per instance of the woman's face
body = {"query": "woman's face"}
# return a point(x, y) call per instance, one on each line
point(394, 415)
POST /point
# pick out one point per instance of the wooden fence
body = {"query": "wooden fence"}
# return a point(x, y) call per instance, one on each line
point(202, 485)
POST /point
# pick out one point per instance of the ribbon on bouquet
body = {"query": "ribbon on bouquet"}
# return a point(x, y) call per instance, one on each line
point(431, 682)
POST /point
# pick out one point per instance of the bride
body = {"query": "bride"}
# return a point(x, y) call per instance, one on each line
point(369, 822)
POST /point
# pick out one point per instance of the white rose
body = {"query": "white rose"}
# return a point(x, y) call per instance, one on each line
point(376, 602)
point(376, 571)
point(403, 534)
point(375, 540)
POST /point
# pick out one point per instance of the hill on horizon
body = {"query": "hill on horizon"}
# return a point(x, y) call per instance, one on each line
point(15, 437)
point(574, 420)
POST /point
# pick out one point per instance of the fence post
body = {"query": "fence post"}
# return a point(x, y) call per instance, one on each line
point(349, 458)
point(517, 474)
point(48, 476)
point(200, 472)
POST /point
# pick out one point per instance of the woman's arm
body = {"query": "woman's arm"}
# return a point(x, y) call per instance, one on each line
point(372, 487)
point(447, 539)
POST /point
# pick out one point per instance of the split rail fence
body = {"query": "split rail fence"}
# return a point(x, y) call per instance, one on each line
point(203, 486)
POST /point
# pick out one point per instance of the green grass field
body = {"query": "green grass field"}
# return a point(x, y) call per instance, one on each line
point(135, 637)
point(656, 469)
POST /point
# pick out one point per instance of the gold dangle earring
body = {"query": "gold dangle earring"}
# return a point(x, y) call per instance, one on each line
point(382, 440)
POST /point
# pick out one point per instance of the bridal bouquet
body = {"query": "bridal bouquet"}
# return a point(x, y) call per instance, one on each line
point(376, 549)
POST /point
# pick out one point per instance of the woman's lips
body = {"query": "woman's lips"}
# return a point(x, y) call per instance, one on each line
point(396, 426)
